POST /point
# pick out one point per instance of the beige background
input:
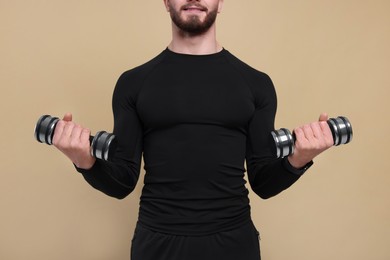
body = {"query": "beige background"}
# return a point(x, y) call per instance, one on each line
point(59, 56)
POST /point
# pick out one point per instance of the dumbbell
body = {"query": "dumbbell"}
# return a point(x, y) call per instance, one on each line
point(284, 141)
point(103, 144)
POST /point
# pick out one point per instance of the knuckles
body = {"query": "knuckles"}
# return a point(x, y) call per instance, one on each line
point(312, 139)
point(67, 136)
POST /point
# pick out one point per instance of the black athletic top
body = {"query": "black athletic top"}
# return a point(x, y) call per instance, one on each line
point(196, 119)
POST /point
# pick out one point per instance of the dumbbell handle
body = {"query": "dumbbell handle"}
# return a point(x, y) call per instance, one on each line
point(284, 141)
point(103, 144)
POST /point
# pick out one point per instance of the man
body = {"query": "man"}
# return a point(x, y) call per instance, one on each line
point(196, 112)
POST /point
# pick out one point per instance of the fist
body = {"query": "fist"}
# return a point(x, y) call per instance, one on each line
point(311, 140)
point(73, 141)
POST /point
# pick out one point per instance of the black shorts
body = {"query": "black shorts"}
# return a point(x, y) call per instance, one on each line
point(238, 244)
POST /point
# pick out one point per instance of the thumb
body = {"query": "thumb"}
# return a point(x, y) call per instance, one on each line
point(323, 117)
point(67, 117)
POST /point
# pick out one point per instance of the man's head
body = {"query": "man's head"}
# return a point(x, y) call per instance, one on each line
point(193, 16)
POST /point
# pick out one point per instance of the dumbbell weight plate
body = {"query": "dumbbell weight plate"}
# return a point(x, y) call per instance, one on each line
point(341, 130)
point(284, 142)
point(103, 145)
point(44, 129)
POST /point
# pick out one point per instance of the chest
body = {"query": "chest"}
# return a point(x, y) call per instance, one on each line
point(204, 95)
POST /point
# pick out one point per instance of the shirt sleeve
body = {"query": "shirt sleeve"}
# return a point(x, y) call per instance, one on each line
point(118, 177)
point(267, 175)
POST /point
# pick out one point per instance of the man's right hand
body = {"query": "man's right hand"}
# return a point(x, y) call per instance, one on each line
point(73, 140)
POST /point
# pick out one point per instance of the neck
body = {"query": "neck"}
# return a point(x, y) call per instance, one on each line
point(201, 44)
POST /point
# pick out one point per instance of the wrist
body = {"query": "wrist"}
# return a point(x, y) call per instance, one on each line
point(295, 170)
point(86, 164)
point(296, 163)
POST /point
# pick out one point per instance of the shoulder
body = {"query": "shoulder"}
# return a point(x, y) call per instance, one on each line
point(246, 70)
point(130, 81)
point(141, 71)
point(258, 81)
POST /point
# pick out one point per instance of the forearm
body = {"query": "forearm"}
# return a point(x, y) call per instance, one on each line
point(274, 177)
point(114, 180)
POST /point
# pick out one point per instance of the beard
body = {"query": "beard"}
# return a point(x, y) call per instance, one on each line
point(193, 24)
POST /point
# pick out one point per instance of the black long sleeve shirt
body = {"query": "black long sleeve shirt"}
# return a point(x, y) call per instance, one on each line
point(195, 119)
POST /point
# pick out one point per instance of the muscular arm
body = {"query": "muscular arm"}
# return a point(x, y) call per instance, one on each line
point(118, 177)
point(267, 176)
